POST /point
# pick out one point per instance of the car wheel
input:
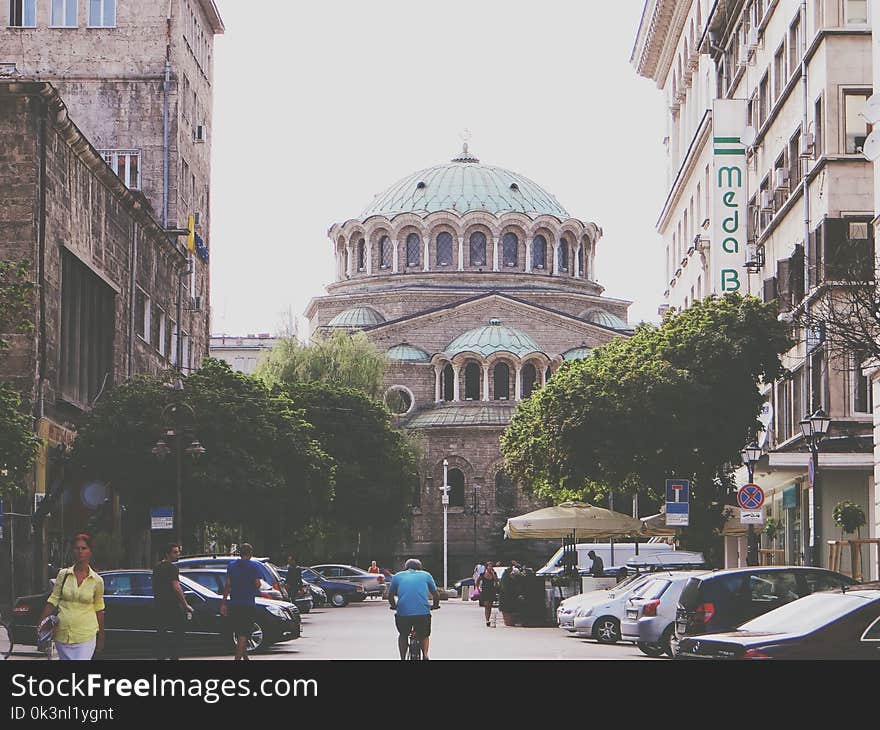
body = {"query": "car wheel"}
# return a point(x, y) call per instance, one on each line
point(256, 641)
point(338, 600)
point(667, 641)
point(607, 630)
point(654, 650)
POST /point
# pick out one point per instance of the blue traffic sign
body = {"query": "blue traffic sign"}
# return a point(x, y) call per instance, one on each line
point(677, 490)
point(750, 496)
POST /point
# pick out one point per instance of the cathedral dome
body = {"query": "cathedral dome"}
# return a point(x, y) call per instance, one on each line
point(493, 338)
point(604, 318)
point(463, 185)
point(357, 317)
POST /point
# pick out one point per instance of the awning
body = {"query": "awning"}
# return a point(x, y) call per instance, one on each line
point(572, 518)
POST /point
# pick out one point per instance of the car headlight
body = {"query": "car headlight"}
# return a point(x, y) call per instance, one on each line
point(276, 611)
point(581, 612)
point(359, 589)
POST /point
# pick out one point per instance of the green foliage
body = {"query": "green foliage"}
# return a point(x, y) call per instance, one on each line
point(18, 444)
point(675, 400)
point(350, 361)
point(772, 528)
point(848, 516)
point(16, 295)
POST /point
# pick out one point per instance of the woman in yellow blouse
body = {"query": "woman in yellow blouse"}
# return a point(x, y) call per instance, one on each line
point(79, 597)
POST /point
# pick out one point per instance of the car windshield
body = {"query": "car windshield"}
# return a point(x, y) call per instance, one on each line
point(804, 615)
point(309, 574)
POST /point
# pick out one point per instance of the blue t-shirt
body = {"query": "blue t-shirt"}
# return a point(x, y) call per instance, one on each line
point(413, 588)
point(242, 574)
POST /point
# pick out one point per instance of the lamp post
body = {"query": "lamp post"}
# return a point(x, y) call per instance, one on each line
point(750, 456)
point(445, 500)
point(475, 510)
point(815, 428)
point(177, 424)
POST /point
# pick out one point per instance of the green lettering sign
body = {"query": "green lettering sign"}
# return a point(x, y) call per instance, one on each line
point(731, 225)
point(728, 199)
point(729, 280)
point(730, 171)
point(730, 245)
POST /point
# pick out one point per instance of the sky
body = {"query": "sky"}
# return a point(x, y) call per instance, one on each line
point(319, 106)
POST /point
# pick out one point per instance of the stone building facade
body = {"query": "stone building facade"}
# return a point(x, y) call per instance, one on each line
point(477, 285)
point(801, 73)
point(106, 287)
point(243, 354)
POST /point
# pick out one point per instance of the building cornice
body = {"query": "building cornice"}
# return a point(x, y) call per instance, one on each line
point(659, 31)
point(209, 8)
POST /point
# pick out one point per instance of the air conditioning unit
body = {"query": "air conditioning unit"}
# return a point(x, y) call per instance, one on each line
point(199, 133)
point(808, 144)
point(754, 38)
point(743, 59)
point(780, 177)
point(766, 200)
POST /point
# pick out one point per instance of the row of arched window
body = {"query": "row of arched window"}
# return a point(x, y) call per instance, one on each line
point(500, 381)
point(505, 491)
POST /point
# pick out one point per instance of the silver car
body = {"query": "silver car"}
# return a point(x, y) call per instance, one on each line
point(601, 619)
point(649, 618)
point(374, 584)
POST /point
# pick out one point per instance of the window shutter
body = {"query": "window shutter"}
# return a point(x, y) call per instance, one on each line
point(770, 289)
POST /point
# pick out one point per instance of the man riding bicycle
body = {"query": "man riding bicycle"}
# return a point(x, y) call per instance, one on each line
point(411, 588)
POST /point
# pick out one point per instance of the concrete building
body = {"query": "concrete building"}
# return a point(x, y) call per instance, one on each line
point(771, 91)
point(478, 285)
point(243, 354)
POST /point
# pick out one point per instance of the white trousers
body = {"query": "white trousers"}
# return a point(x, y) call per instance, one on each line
point(76, 652)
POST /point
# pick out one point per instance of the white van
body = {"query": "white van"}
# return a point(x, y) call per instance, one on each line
point(624, 552)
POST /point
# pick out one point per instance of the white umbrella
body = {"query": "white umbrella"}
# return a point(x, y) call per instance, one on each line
point(572, 518)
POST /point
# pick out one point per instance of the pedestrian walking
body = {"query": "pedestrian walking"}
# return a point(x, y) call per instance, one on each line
point(487, 584)
point(294, 578)
point(373, 568)
point(78, 600)
point(172, 610)
point(242, 586)
point(479, 568)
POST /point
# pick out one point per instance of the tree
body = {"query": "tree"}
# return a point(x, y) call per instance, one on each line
point(262, 470)
point(675, 400)
point(18, 443)
point(376, 465)
point(343, 359)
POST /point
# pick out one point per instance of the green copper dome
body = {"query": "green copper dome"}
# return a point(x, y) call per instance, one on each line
point(463, 185)
point(606, 319)
point(408, 353)
point(577, 353)
point(493, 338)
point(357, 317)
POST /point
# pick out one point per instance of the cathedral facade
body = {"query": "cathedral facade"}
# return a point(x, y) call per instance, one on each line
point(478, 285)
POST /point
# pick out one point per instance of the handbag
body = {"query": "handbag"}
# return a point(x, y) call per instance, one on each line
point(47, 628)
point(475, 595)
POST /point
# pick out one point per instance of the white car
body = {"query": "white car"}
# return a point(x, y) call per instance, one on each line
point(600, 620)
point(565, 613)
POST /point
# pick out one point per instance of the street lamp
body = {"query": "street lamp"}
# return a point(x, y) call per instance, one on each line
point(445, 500)
point(750, 456)
point(474, 510)
point(815, 428)
point(178, 420)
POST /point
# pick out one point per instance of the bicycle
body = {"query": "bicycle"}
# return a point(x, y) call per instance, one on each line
point(7, 644)
point(414, 649)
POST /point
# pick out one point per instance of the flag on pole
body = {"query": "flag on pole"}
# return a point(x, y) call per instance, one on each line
point(191, 238)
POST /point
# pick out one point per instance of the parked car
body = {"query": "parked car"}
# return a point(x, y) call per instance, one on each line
point(338, 592)
point(129, 616)
point(319, 596)
point(839, 624)
point(600, 620)
point(268, 570)
point(373, 583)
point(649, 618)
point(565, 613)
point(215, 580)
point(725, 599)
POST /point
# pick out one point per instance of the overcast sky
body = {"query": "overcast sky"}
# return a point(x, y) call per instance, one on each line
point(319, 106)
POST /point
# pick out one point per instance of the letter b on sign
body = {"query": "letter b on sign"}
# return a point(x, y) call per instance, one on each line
point(729, 280)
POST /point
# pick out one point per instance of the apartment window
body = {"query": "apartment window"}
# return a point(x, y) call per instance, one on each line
point(184, 98)
point(856, 127)
point(763, 99)
point(783, 416)
point(780, 192)
point(798, 411)
point(817, 381)
point(126, 164)
point(63, 14)
point(817, 127)
point(185, 354)
point(238, 365)
point(856, 12)
point(794, 44)
point(184, 182)
point(87, 330)
point(102, 13)
point(141, 314)
point(171, 345)
point(794, 161)
point(161, 332)
point(22, 13)
point(779, 75)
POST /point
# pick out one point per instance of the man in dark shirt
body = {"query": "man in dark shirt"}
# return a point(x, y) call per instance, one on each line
point(597, 569)
point(170, 605)
point(294, 578)
point(242, 586)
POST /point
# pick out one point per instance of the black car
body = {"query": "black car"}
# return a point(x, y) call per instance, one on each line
point(841, 624)
point(725, 599)
point(338, 592)
point(129, 616)
point(215, 579)
point(319, 596)
point(268, 571)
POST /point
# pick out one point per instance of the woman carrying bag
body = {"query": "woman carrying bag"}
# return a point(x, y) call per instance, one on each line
point(487, 585)
point(78, 599)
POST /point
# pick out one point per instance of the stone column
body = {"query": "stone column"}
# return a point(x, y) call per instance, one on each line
point(485, 381)
point(369, 255)
point(578, 257)
point(528, 255)
point(518, 386)
point(495, 242)
point(554, 265)
point(544, 375)
point(461, 253)
point(438, 379)
point(427, 254)
point(351, 262)
point(394, 256)
point(456, 385)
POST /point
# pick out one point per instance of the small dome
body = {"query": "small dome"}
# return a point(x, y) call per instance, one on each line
point(463, 185)
point(606, 319)
point(577, 353)
point(408, 353)
point(357, 317)
point(492, 338)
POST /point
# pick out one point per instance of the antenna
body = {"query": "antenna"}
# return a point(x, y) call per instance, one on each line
point(871, 112)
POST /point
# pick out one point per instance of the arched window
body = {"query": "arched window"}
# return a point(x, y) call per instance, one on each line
point(548, 373)
point(444, 249)
point(502, 381)
point(505, 493)
point(362, 255)
point(529, 376)
point(509, 249)
point(581, 260)
point(472, 381)
point(386, 253)
point(455, 479)
point(448, 383)
point(563, 255)
point(413, 250)
point(539, 252)
point(478, 249)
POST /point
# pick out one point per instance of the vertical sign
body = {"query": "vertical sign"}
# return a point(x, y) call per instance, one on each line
point(729, 195)
point(678, 502)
